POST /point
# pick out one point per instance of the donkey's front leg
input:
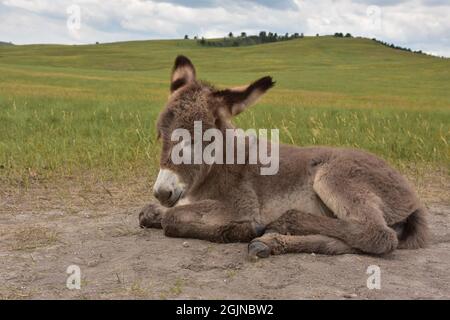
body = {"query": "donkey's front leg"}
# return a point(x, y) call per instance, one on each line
point(151, 216)
point(209, 220)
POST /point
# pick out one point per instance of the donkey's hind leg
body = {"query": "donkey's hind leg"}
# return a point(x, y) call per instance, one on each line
point(358, 209)
point(275, 243)
point(342, 236)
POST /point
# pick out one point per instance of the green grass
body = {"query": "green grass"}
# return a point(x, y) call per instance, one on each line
point(69, 110)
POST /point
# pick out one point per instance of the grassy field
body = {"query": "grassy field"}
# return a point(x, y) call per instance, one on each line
point(67, 111)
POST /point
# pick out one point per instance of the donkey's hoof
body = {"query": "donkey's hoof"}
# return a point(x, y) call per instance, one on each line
point(150, 217)
point(258, 249)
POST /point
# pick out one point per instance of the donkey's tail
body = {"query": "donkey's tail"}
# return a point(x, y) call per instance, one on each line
point(415, 233)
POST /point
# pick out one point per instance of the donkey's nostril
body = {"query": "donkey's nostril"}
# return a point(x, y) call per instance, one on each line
point(163, 195)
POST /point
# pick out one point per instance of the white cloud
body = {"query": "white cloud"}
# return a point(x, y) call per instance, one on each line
point(420, 24)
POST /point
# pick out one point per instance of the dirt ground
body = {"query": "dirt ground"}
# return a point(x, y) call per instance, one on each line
point(45, 228)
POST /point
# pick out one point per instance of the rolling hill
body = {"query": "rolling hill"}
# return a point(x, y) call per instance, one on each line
point(92, 107)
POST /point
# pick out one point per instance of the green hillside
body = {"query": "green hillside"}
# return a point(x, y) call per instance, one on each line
point(71, 109)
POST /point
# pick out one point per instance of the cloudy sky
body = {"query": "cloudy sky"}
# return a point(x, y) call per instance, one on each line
point(418, 24)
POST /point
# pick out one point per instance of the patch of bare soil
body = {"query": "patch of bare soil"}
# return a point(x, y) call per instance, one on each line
point(46, 228)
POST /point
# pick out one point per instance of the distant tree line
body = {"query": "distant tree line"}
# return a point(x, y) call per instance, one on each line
point(393, 46)
point(341, 35)
point(267, 37)
point(390, 45)
point(246, 40)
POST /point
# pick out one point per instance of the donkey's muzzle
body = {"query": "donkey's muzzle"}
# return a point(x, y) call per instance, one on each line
point(168, 198)
point(168, 189)
point(163, 195)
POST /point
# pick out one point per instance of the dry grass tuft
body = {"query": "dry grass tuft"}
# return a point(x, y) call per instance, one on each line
point(33, 237)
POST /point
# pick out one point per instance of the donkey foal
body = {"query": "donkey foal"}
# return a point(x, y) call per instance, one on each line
point(322, 200)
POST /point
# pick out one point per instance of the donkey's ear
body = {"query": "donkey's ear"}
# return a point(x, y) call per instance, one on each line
point(238, 99)
point(183, 73)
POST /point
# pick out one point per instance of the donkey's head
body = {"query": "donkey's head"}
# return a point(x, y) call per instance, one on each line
point(190, 101)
